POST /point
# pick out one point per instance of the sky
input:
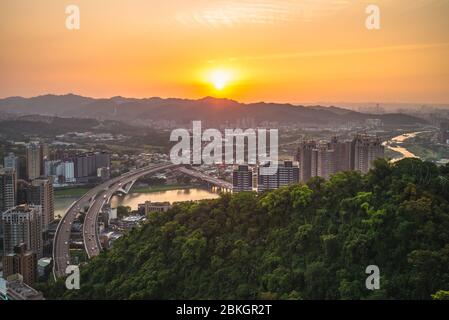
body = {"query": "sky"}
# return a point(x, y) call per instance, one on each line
point(297, 51)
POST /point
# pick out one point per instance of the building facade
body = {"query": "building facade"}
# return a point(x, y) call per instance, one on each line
point(34, 160)
point(11, 161)
point(8, 189)
point(42, 195)
point(286, 174)
point(366, 149)
point(327, 158)
point(23, 262)
point(23, 224)
point(242, 179)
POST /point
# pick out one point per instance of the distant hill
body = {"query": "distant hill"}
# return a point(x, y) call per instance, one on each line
point(185, 110)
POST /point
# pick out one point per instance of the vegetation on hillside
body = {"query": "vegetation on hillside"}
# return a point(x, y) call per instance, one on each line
point(309, 241)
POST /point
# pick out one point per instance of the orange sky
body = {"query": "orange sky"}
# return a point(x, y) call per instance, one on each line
point(276, 50)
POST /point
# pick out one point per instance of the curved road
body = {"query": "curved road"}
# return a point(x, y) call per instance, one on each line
point(90, 234)
point(95, 199)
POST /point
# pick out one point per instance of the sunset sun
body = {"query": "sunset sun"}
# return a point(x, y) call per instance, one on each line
point(220, 79)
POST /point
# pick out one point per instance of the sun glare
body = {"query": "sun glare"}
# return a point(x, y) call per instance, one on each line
point(220, 79)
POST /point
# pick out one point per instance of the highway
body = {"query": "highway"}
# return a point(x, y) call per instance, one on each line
point(90, 234)
point(95, 199)
point(197, 174)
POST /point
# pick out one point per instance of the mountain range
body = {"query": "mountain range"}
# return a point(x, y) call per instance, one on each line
point(209, 109)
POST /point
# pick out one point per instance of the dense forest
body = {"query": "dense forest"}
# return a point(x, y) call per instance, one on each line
point(306, 241)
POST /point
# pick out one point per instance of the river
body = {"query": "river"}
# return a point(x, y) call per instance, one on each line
point(134, 199)
point(394, 144)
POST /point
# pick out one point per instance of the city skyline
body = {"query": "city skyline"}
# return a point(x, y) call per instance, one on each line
point(282, 51)
point(235, 150)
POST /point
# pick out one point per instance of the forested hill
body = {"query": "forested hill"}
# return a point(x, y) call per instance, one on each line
point(309, 241)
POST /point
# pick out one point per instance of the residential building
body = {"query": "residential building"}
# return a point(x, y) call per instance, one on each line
point(42, 195)
point(366, 149)
point(86, 165)
point(288, 173)
point(326, 158)
point(23, 262)
point(325, 161)
point(306, 165)
point(34, 160)
point(266, 182)
point(11, 161)
point(23, 224)
point(8, 189)
point(242, 179)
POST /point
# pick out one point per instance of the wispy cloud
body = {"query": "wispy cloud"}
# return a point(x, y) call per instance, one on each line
point(220, 13)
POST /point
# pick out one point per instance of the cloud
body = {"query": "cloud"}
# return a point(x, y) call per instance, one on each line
point(220, 13)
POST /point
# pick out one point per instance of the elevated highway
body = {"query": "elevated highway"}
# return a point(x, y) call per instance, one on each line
point(95, 199)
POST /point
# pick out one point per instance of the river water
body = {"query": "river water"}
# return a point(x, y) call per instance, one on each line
point(134, 199)
point(395, 145)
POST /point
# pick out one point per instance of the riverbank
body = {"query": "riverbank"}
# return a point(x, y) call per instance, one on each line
point(395, 144)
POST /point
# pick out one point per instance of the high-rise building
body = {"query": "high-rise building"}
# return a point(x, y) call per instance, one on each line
point(34, 160)
point(342, 154)
point(325, 161)
point(23, 224)
point(66, 170)
point(23, 192)
point(11, 161)
point(242, 179)
point(23, 262)
point(266, 182)
point(42, 195)
point(313, 172)
point(288, 173)
point(102, 160)
point(305, 160)
point(61, 171)
point(366, 149)
point(8, 189)
point(86, 165)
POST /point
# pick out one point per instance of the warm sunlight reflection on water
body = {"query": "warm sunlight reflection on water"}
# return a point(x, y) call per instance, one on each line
point(134, 199)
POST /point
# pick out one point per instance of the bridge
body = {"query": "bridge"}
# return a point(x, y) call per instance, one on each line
point(95, 199)
point(224, 185)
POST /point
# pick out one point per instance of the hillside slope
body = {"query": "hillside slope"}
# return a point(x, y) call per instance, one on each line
point(309, 241)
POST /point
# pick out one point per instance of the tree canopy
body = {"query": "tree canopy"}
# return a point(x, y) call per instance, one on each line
point(305, 241)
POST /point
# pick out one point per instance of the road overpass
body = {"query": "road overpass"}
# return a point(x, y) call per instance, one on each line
point(90, 230)
point(202, 176)
point(95, 199)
